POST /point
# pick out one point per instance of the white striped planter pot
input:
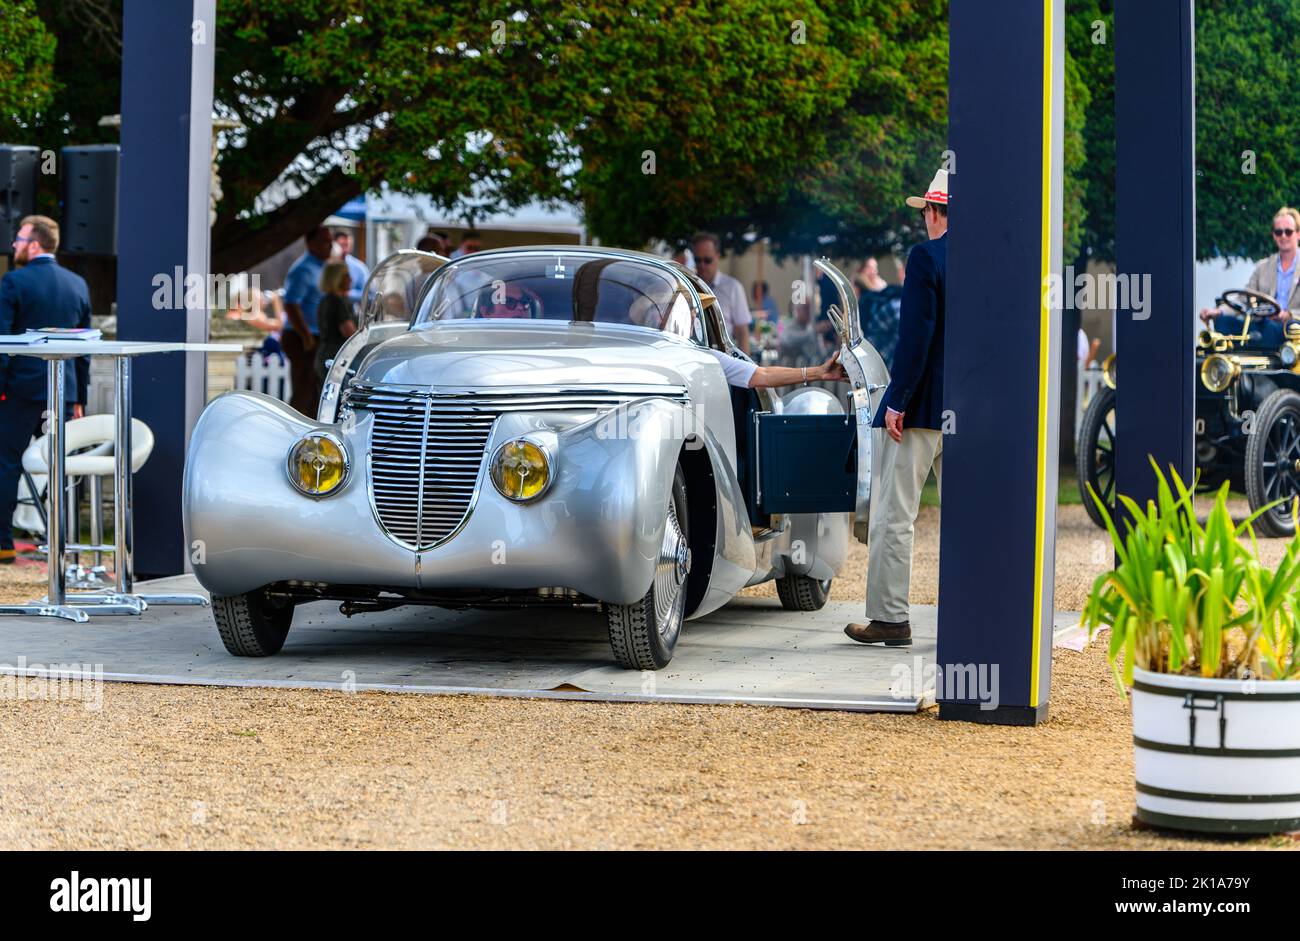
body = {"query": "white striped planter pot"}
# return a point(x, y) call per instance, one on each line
point(1220, 756)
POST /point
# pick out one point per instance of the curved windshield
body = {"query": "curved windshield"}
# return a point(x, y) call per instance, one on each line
point(567, 287)
point(394, 286)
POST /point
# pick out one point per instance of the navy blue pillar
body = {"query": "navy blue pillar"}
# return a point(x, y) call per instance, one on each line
point(167, 79)
point(1001, 361)
point(1155, 241)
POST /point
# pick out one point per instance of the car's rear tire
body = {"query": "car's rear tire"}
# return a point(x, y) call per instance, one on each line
point(252, 624)
point(1096, 454)
point(643, 635)
point(802, 592)
point(1272, 453)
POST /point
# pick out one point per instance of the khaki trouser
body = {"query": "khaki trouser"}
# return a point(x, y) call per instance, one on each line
point(898, 472)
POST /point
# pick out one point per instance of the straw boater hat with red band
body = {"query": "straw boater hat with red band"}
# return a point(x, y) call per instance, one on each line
point(937, 193)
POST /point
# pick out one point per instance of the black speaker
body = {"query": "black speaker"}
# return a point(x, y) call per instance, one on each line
point(17, 190)
point(89, 223)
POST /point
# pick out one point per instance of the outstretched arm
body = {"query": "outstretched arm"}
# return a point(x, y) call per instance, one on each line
point(770, 377)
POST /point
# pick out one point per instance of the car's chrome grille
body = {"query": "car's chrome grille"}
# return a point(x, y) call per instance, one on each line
point(427, 448)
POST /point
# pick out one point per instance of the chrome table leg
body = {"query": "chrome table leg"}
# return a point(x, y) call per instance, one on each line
point(56, 604)
point(124, 537)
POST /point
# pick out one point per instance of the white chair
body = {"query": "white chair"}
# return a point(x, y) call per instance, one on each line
point(29, 513)
point(89, 454)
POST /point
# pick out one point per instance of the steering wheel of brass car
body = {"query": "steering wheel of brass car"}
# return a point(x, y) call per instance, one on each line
point(1251, 303)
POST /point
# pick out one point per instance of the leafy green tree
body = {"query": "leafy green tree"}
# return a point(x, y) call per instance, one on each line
point(1073, 184)
point(338, 97)
point(844, 196)
point(652, 117)
point(27, 65)
point(84, 78)
point(822, 169)
point(1090, 177)
point(800, 121)
point(1247, 123)
point(637, 113)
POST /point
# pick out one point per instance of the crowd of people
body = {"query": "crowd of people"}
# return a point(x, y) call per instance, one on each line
point(308, 320)
point(802, 337)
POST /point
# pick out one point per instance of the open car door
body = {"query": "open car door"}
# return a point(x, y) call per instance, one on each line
point(820, 461)
point(388, 303)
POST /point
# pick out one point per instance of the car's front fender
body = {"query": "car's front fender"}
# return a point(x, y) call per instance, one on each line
point(247, 525)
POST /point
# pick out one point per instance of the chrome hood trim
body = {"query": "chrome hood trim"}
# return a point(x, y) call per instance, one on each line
point(523, 398)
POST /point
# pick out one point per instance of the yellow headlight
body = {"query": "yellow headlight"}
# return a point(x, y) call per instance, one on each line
point(1108, 371)
point(521, 470)
point(1218, 372)
point(318, 465)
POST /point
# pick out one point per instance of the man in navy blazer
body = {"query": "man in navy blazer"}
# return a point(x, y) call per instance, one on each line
point(911, 412)
point(37, 293)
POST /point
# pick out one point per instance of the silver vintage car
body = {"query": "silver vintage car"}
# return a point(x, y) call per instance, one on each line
point(532, 427)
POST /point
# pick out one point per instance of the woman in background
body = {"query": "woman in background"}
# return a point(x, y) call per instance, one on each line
point(878, 306)
point(334, 316)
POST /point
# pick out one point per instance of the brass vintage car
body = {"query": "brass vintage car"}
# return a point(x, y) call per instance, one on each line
point(1247, 416)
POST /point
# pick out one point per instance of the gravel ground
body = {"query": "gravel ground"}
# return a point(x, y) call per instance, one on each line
point(193, 767)
point(1082, 553)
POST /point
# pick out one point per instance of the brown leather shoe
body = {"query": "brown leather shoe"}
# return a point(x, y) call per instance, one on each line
point(8, 556)
point(882, 632)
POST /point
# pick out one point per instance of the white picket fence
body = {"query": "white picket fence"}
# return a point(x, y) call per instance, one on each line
point(270, 374)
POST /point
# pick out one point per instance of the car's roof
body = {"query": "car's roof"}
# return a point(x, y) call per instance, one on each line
point(703, 293)
point(597, 251)
point(600, 251)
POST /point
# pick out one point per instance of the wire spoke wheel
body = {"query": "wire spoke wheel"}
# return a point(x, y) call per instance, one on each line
point(1095, 461)
point(1273, 462)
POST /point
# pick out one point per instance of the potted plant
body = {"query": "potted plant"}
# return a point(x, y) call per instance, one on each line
point(1207, 638)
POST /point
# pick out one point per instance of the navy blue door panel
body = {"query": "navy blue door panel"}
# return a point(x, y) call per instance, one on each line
point(806, 464)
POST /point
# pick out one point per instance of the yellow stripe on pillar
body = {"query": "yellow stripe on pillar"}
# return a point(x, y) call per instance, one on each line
point(1044, 349)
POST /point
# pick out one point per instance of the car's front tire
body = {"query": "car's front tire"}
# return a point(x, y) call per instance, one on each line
point(802, 592)
point(1273, 462)
point(252, 624)
point(644, 634)
point(1096, 455)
